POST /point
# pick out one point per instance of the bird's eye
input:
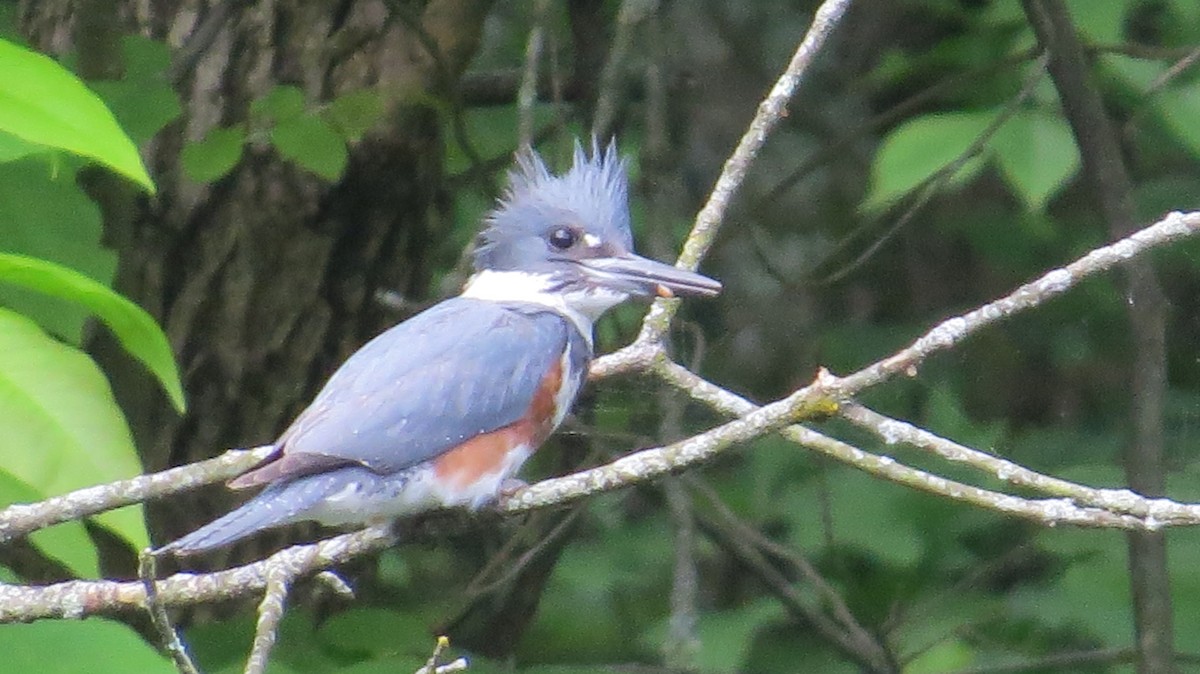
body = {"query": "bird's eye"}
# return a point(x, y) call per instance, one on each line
point(562, 238)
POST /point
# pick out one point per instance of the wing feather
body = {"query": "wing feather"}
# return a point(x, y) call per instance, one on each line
point(460, 369)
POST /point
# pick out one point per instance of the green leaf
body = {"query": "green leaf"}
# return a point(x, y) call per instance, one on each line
point(143, 100)
point(312, 143)
point(945, 656)
point(725, 637)
point(916, 150)
point(137, 331)
point(1180, 107)
point(42, 102)
point(369, 633)
point(60, 428)
point(1091, 594)
point(145, 59)
point(1099, 22)
point(44, 215)
point(354, 113)
point(68, 542)
point(282, 103)
point(852, 499)
point(209, 159)
point(1037, 155)
point(944, 414)
point(12, 148)
point(143, 109)
point(95, 645)
point(1183, 546)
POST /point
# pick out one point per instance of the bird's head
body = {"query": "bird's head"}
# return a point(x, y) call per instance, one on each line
point(568, 235)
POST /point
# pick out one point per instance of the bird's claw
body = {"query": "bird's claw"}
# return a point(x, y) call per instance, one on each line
point(510, 486)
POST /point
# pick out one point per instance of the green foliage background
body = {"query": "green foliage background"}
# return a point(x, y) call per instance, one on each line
point(946, 587)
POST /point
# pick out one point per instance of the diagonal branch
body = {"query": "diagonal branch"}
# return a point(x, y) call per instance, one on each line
point(646, 347)
point(1153, 512)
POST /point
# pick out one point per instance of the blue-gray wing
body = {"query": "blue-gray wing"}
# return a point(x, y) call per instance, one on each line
point(460, 369)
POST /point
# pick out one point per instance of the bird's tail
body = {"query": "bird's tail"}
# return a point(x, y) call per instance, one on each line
point(277, 505)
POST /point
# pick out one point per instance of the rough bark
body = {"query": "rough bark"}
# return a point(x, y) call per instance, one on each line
point(269, 277)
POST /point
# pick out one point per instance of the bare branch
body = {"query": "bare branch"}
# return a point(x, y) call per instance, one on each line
point(828, 394)
point(632, 13)
point(1173, 227)
point(752, 548)
point(21, 519)
point(682, 643)
point(1154, 512)
point(704, 231)
point(1105, 508)
point(80, 598)
point(1043, 511)
point(527, 94)
point(336, 583)
point(270, 611)
point(169, 638)
point(431, 665)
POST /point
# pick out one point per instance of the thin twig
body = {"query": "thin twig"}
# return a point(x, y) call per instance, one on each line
point(631, 13)
point(514, 568)
point(909, 106)
point(527, 93)
point(733, 174)
point(1112, 191)
point(647, 348)
point(431, 665)
point(1042, 511)
point(800, 564)
point(892, 431)
point(934, 184)
point(1173, 227)
point(459, 665)
point(168, 637)
point(200, 39)
point(270, 612)
point(445, 75)
point(841, 627)
point(336, 583)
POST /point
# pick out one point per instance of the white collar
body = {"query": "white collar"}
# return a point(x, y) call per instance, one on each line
point(582, 306)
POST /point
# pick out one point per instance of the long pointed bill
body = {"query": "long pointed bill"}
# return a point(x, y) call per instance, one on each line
point(637, 275)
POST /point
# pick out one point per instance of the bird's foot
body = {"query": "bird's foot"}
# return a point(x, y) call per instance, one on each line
point(510, 486)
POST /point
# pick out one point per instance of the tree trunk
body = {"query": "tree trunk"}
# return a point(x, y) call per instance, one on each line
point(268, 278)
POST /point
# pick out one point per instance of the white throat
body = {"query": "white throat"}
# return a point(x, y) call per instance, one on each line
point(582, 306)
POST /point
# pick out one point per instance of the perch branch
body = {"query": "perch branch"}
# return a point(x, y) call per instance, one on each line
point(24, 518)
point(76, 599)
point(80, 598)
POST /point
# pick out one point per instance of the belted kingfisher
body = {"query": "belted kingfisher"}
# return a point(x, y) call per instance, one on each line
point(442, 409)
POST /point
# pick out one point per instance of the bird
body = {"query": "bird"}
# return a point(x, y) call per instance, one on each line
point(441, 410)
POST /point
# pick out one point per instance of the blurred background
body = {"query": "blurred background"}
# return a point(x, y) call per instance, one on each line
point(322, 168)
